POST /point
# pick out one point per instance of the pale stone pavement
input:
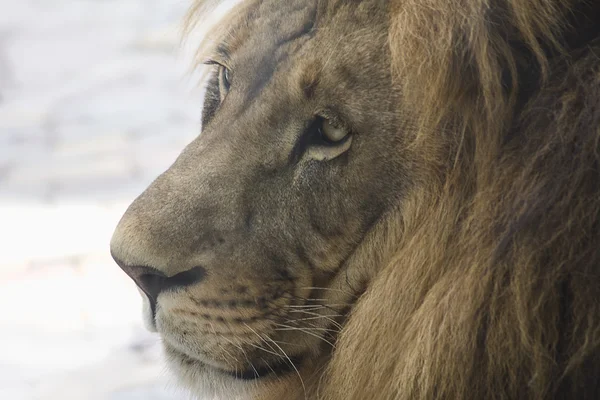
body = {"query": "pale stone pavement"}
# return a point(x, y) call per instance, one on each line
point(94, 103)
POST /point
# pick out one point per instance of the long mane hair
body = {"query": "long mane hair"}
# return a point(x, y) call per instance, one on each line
point(495, 289)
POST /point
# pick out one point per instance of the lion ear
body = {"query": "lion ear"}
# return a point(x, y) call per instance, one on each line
point(450, 57)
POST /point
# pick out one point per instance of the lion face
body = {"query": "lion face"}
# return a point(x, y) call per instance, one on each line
point(240, 247)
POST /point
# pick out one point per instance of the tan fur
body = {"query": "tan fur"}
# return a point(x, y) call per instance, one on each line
point(479, 278)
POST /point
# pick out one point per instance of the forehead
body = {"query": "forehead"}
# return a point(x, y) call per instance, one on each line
point(306, 40)
point(276, 29)
point(267, 26)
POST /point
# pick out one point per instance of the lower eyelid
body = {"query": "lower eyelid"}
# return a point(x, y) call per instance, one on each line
point(326, 153)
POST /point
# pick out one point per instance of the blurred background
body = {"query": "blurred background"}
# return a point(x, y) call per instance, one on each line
point(95, 101)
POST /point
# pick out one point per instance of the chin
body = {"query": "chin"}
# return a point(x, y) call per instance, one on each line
point(208, 382)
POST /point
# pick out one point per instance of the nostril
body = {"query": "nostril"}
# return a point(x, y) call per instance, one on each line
point(152, 281)
point(187, 278)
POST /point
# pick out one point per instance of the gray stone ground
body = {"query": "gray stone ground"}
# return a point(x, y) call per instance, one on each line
point(94, 103)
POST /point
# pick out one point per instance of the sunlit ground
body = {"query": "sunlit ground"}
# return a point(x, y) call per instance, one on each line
point(94, 103)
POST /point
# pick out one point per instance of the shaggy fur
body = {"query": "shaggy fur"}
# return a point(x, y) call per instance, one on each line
point(453, 252)
point(495, 290)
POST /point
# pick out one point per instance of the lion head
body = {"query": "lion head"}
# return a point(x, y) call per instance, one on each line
point(388, 199)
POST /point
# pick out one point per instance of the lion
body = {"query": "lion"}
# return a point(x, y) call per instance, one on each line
point(389, 199)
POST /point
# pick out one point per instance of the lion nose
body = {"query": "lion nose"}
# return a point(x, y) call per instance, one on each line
point(152, 281)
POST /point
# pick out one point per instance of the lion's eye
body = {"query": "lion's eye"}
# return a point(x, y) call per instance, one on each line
point(216, 89)
point(325, 138)
point(331, 133)
point(225, 79)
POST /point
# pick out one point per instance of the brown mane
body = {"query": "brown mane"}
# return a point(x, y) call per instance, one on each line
point(495, 290)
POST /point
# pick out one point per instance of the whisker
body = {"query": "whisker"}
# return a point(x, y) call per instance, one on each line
point(273, 351)
point(317, 306)
point(239, 347)
point(256, 374)
point(321, 373)
point(272, 370)
point(285, 327)
point(223, 348)
point(325, 316)
point(293, 366)
point(309, 311)
point(297, 310)
point(316, 336)
point(309, 319)
point(321, 305)
point(333, 304)
point(289, 344)
point(263, 349)
point(304, 329)
point(312, 312)
point(330, 289)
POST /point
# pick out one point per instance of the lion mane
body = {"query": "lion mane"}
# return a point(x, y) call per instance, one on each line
point(494, 291)
point(493, 287)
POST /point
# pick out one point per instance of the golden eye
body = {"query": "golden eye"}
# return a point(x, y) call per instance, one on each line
point(332, 133)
